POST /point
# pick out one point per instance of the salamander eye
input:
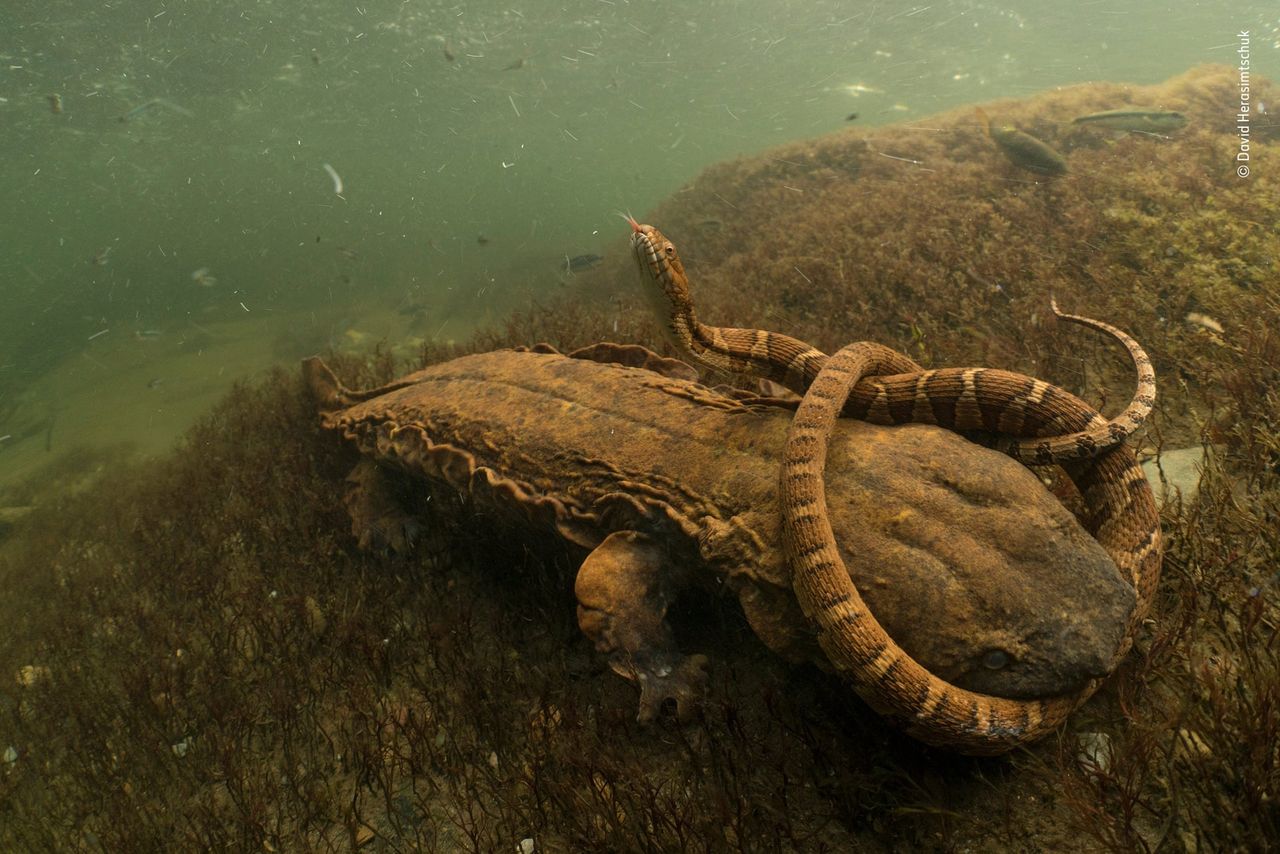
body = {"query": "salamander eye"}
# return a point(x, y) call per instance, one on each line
point(995, 659)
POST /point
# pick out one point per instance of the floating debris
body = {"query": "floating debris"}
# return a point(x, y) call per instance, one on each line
point(1024, 150)
point(153, 104)
point(580, 263)
point(147, 334)
point(337, 179)
point(55, 102)
point(1209, 326)
point(857, 90)
point(203, 278)
point(99, 334)
point(100, 258)
point(483, 240)
point(448, 54)
point(155, 382)
point(1149, 121)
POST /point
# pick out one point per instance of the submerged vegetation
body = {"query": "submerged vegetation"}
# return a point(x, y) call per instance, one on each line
point(195, 654)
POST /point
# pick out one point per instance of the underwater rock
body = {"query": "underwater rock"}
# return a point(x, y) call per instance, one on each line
point(1095, 749)
point(1176, 473)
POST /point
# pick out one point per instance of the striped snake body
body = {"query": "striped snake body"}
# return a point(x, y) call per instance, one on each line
point(1038, 423)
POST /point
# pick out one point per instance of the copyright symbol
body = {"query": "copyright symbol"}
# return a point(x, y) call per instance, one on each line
point(1242, 171)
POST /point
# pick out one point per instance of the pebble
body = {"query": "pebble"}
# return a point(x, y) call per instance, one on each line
point(1181, 473)
point(316, 621)
point(1191, 747)
point(30, 674)
point(1095, 749)
point(526, 846)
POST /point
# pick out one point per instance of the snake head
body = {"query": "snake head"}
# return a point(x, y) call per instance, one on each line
point(658, 257)
point(662, 275)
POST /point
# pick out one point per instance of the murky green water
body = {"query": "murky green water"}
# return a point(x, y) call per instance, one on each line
point(332, 173)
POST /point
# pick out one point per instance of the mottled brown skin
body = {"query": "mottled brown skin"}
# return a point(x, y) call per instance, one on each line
point(931, 708)
point(1037, 422)
point(666, 483)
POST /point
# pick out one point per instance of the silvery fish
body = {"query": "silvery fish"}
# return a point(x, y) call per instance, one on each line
point(1152, 121)
point(579, 263)
point(1024, 150)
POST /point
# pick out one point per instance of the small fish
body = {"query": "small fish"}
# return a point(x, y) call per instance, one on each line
point(579, 263)
point(55, 102)
point(147, 334)
point(202, 278)
point(519, 63)
point(151, 105)
point(101, 258)
point(156, 383)
point(852, 117)
point(448, 54)
point(1024, 150)
point(1151, 121)
point(483, 240)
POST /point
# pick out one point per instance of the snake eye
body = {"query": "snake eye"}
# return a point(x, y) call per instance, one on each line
point(995, 659)
point(669, 249)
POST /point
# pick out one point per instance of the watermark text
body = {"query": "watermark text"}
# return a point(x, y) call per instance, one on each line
point(1246, 108)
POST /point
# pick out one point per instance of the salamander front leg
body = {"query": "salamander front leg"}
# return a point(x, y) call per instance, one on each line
point(378, 520)
point(624, 588)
